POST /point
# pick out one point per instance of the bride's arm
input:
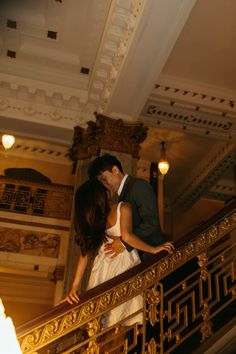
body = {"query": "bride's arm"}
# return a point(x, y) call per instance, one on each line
point(128, 236)
point(81, 266)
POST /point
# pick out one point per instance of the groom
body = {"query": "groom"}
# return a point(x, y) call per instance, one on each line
point(139, 193)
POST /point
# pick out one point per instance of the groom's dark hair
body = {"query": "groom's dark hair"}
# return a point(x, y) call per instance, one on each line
point(103, 163)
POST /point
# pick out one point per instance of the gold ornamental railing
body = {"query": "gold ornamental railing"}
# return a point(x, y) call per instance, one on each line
point(187, 298)
point(39, 199)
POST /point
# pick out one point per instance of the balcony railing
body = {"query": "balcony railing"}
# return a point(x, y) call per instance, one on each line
point(39, 199)
point(187, 298)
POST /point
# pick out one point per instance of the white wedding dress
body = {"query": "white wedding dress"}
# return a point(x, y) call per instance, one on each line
point(105, 268)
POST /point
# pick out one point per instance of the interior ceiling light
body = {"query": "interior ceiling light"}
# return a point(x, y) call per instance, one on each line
point(8, 141)
point(163, 164)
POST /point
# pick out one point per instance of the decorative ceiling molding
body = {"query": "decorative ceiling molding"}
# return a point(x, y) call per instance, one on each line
point(200, 100)
point(206, 176)
point(224, 187)
point(39, 150)
point(192, 111)
point(198, 93)
point(40, 106)
point(11, 84)
point(120, 27)
point(65, 107)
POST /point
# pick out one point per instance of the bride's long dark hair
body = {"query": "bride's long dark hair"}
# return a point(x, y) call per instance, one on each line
point(91, 211)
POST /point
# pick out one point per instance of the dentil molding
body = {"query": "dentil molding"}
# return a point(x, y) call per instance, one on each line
point(190, 110)
point(38, 150)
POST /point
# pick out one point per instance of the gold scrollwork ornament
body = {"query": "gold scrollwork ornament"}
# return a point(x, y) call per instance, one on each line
point(153, 296)
point(122, 291)
point(92, 348)
point(206, 331)
point(152, 314)
point(202, 259)
point(153, 299)
point(189, 249)
point(213, 232)
point(164, 266)
point(94, 326)
point(88, 309)
point(202, 241)
point(150, 275)
point(177, 257)
point(152, 347)
point(137, 284)
point(205, 312)
point(105, 300)
point(204, 274)
point(225, 224)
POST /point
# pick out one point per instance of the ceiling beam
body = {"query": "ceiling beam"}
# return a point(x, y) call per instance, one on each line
point(155, 36)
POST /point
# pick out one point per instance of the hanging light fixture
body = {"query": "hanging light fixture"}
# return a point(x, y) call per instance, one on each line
point(163, 164)
point(8, 141)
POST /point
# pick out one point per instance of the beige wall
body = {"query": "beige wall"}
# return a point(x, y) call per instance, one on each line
point(23, 312)
point(200, 212)
point(58, 173)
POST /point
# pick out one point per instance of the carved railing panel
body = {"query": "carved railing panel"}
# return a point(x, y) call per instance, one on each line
point(48, 200)
point(187, 297)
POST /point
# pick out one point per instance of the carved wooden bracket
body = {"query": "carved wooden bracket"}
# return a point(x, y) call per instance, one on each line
point(108, 134)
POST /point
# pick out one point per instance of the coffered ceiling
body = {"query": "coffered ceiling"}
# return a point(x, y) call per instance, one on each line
point(168, 63)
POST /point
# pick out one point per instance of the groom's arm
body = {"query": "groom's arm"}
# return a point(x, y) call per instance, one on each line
point(147, 227)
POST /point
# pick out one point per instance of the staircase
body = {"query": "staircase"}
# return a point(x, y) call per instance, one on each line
point(189, 303)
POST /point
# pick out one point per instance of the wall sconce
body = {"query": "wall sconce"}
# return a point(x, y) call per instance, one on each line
point(163, 164)
point(8, 141)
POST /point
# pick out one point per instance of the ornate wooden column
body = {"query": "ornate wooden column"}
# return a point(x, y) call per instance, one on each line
point(105, 135)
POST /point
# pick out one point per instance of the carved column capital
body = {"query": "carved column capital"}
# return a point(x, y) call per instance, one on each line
point(120, 136)
point(108, 134)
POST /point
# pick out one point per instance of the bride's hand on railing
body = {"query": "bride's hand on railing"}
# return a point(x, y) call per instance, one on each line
point(166, 246)
point(72, 298)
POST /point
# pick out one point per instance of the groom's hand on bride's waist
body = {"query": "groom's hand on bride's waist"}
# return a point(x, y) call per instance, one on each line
point(114, 248)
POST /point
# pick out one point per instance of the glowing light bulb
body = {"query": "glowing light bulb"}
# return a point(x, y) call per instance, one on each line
point(8, 141)
point(163, 164)
point(163, 167)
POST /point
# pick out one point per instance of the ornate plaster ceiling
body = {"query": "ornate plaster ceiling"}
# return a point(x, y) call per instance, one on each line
point(169, 64)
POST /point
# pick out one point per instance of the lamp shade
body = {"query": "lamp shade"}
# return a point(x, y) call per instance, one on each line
point(163, 164)
point(163, 167)
point(8, 141)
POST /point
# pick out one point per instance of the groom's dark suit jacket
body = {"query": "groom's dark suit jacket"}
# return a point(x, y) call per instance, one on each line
point(141, 196)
